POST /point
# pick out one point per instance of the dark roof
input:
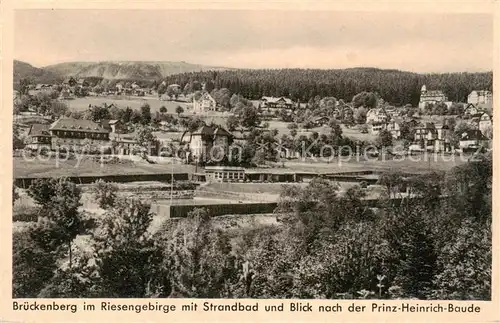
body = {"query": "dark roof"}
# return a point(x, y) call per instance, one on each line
point(211, 131)
point(443, 126)
point(427, 125)
point(105, 124)
point(39, 130)
point(474, 134)
point(70, 124)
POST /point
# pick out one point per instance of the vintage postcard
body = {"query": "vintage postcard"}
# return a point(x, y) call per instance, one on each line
point(300, 161)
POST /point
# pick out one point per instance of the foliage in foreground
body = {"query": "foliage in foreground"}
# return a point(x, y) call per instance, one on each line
point(329, 245)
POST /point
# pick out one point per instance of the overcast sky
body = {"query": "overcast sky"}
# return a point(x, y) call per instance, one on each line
point(259, 39)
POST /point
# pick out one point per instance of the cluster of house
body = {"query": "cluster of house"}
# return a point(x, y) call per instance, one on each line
point(480, 99)
point(76, 134)
point(432, 97)
point(69, 87)
point(479, 103)
point(431, 136)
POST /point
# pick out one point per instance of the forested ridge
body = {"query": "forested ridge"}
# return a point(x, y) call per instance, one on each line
point(394, 86)
point(327, 245)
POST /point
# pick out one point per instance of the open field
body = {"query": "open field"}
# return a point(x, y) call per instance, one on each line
point(88, 167)
point(82, 104)
point(418, 165)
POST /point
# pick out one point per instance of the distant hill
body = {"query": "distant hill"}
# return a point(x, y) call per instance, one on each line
point(37, 75)
point(127, 69)
point(394, 86)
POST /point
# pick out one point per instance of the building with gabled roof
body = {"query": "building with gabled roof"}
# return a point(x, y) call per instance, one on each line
point(205, 103)
point(271, 102)
point(480, 97)
point(208, 143)
point(485, 123)
point(376, 115)
point(431, 97)
point(69, 81)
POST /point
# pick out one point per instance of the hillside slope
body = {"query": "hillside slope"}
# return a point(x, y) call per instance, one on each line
point(126, 69)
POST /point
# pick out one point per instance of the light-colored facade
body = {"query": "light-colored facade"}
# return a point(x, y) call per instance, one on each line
point(480, 97)
point(394, 127)
point(377, 127)
point(208, 143)
point(431, 97)
point(74, 134)
point(273, 104)
point(376, 115)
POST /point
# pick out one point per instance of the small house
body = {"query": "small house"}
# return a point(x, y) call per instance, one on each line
point(39, 137)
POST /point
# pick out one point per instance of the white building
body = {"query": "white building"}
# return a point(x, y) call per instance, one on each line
point(376, 115)
point(431, 97)
point(205, 103)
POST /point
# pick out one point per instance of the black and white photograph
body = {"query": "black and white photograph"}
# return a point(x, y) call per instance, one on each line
point(252, 154)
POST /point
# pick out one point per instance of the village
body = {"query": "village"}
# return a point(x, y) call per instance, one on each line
point(210, 136)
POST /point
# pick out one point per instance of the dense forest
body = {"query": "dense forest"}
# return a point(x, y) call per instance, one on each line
point(325, 245)
point(396, 87)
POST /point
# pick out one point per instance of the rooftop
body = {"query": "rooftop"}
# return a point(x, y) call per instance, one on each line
point(81, 125)
point(273, 99)
point(474, 134)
